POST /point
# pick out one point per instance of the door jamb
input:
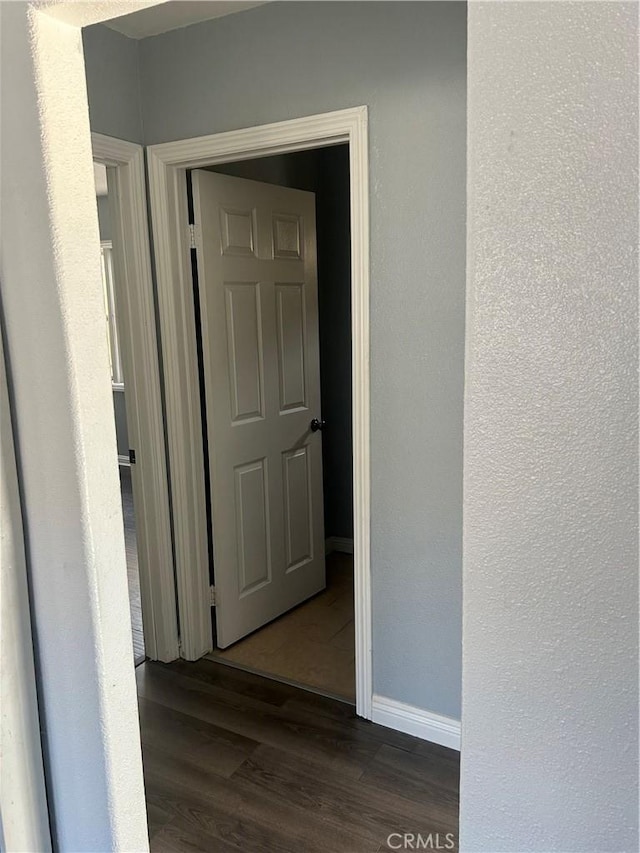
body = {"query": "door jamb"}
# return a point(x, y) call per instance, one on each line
point(140, 363)
point(167, 164)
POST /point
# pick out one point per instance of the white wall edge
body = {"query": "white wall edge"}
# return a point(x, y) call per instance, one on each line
point(61, 397)
point(416, 721)
point(338, 543)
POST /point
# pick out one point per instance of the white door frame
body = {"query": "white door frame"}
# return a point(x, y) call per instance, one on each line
point(140, 365)
point(167, 164)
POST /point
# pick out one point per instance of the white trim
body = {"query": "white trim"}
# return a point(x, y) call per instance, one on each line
point(416, 721)
point(168, 207)
point(140, 364)
point(167, 164)
point(106, 252)
point(338, 543)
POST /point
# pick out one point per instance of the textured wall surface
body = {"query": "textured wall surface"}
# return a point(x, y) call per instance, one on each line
point(550, 634)
point(59, 371)
point(407, 63)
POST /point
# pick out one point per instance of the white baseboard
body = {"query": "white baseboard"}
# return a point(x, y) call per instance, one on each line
point(338, 543)
point(416, 722)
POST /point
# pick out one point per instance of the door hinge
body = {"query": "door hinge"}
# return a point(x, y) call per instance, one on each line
point(132, 456)
point(192, 235)
point(212, 596)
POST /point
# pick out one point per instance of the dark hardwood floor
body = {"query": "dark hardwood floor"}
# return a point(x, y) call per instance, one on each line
point(234, 761)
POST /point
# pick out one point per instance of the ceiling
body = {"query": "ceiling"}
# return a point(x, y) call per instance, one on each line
point(175, 14)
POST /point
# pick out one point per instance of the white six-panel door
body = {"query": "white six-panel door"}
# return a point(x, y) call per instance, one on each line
point(256, 253)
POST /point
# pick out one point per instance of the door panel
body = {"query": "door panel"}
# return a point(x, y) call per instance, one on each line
point(259, 310)
point(291, 345)
point(254, 557)
point(298, 508)
point(238, 230)
point(245, 362)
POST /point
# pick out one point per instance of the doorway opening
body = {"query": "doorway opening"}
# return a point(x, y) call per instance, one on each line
point(167, 165)
point(113, 311)
point(296, 238)
point(130, 330)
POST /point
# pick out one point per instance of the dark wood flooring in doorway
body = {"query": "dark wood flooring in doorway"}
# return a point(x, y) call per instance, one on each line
point(237, 762)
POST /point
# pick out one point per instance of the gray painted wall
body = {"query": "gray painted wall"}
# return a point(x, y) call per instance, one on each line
point(325, 172)
point(550, 698)
point(104, 218)
point(407, 63)
point(111, 68)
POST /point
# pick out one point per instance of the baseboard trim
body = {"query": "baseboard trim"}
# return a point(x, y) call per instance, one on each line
point(415, 721)
point(338, 543)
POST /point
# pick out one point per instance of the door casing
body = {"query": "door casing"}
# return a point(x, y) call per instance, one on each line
point(167, 164)
point(140, 363)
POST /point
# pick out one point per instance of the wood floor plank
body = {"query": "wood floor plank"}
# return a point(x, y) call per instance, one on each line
point(316, 703)
point(193, 739)
point(421, 780)
point(305, 708)
point(364, 810)
point(435, 769)
point(319, 740)
point(157, 819)
point(236, 681)
point(177, 837)
point(425, 747)
point(237, 813)
point(234, 762)
point(298, 705)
